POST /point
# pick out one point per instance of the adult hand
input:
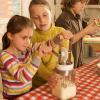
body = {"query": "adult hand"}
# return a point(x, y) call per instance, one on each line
point(93, 27)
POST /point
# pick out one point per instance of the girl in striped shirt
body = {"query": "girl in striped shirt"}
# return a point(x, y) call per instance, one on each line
point(16, 66)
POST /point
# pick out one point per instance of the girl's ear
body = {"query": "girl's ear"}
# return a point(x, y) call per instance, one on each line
point(9, 35)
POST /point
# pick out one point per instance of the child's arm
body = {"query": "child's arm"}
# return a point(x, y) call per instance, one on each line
point(66, 34)
point(62, 36)
point(47, 68)
point(20, 71)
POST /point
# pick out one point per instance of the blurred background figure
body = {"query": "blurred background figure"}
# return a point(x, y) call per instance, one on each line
point(70, 19)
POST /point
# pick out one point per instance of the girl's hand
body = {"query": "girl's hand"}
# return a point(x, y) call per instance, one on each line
point(66, 35)
point(48, 47)
point(44, 48)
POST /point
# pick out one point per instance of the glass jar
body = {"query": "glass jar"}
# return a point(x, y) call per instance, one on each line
point(62, 82)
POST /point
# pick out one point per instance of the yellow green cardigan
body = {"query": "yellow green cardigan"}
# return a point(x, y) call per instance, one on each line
point(50, 61)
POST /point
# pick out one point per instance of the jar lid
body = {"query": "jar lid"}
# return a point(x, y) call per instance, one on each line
point(65, 67)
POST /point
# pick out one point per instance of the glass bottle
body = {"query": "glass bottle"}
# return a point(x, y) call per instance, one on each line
point(63, 55)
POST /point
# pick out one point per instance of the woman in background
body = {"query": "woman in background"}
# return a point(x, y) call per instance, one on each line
point(70, 19)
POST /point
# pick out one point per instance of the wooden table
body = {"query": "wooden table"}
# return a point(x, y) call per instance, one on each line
point(88, 86)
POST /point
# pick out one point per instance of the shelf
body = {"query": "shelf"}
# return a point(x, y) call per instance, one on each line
point(93, 40)
point(93, 6)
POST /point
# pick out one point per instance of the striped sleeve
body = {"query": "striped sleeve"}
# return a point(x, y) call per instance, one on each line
point(21, 71)
point(1, 86)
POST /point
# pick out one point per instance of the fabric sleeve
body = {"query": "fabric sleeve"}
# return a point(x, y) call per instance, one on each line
point(56, 39)
point(59, 29)
point(48, 64)
point(1, 86)
point(46, 70)
point(20, 71)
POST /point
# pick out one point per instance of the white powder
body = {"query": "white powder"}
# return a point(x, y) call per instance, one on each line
point(64, 88)
point(64, 93)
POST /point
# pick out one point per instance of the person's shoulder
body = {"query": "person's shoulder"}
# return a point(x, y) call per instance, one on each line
point(5, 54)
point(62, 19)
point(64, 15)
point(59, 28)
point(2, 53)
point(61, 16)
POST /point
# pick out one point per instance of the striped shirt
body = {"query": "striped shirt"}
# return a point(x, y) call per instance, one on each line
point(17, 72)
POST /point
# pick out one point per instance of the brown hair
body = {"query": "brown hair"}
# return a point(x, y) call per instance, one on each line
point(39, 2)
point(70, 3)
point(16, 24)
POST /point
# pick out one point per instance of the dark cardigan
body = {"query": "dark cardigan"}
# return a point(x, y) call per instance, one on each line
point(73, 23)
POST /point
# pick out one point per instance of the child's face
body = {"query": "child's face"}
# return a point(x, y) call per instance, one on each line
point(20, 41)
point(41, 16)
